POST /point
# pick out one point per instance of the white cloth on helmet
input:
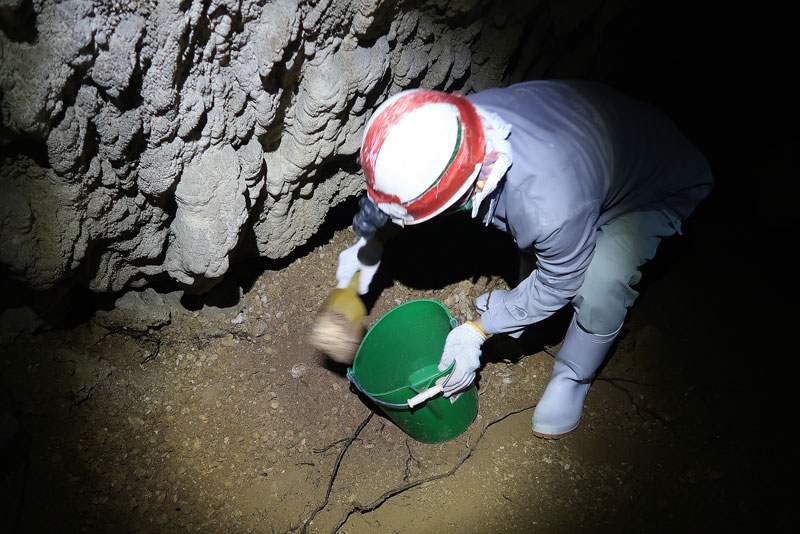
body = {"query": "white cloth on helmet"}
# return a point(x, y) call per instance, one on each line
point(397, 212)
point(495, 132)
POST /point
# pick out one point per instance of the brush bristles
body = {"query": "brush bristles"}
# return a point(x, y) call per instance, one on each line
point(336, 337)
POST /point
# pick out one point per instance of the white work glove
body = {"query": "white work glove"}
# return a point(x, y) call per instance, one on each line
point(364, 256)
point(463, 345)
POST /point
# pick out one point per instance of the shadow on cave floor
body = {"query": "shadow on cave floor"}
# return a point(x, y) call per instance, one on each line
point(229, 421)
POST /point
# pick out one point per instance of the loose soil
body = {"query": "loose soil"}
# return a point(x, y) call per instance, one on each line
point(214, 414)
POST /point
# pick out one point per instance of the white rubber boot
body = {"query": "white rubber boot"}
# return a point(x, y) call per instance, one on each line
point(559, 410)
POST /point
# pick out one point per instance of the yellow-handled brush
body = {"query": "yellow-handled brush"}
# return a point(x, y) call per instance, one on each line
point(338, 328)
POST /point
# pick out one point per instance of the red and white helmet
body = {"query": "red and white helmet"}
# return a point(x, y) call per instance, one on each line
point(422, 151)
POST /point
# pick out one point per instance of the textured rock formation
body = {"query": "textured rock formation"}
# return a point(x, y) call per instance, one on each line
point(141, 139)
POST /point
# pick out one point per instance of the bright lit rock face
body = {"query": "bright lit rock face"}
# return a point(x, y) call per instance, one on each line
point(164, 138)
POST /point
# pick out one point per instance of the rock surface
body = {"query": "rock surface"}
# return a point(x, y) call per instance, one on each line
point(146, 139)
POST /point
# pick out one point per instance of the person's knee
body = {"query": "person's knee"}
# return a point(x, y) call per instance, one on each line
point(623, 245)
point(602, 302)
point(600, 320)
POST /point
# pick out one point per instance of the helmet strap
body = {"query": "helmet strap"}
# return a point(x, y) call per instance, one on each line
point(458, 207)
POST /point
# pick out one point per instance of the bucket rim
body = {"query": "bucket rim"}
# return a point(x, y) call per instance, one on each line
point(421, 385)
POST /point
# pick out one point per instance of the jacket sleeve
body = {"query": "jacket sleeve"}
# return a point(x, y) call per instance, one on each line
point(564, 247)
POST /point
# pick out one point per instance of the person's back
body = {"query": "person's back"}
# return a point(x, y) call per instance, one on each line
point(586, 141)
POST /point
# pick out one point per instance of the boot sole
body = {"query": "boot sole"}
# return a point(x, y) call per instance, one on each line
point(551, 436)
point(560, 435)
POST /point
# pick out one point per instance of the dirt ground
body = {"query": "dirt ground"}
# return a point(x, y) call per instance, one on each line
point(172, 413)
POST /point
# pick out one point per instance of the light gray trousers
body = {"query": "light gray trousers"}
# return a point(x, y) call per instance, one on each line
point(623, 246)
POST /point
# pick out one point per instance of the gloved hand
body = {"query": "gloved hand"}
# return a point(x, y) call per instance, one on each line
point(364, 256)
point(463, 345)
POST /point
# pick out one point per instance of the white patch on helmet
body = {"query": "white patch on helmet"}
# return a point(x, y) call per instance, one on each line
point(395, 211)
point(416, 151)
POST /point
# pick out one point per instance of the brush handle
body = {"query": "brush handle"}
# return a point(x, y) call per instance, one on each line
point(353, 286)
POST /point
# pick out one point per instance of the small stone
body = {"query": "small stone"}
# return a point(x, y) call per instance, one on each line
point(258, 329)
point(298, 370)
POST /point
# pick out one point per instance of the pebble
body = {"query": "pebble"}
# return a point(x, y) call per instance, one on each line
point(259, 329)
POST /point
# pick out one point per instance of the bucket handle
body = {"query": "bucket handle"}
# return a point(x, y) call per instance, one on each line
point(352, 377)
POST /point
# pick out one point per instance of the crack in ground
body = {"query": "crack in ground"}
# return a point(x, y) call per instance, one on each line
point(378, 502)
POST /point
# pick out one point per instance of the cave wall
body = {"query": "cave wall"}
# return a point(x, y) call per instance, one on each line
point(148, 139)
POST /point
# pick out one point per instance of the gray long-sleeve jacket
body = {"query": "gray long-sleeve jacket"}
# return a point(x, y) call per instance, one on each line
point(583, 154)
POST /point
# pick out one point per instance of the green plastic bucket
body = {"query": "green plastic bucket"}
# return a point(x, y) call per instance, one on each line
point(398, 359)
